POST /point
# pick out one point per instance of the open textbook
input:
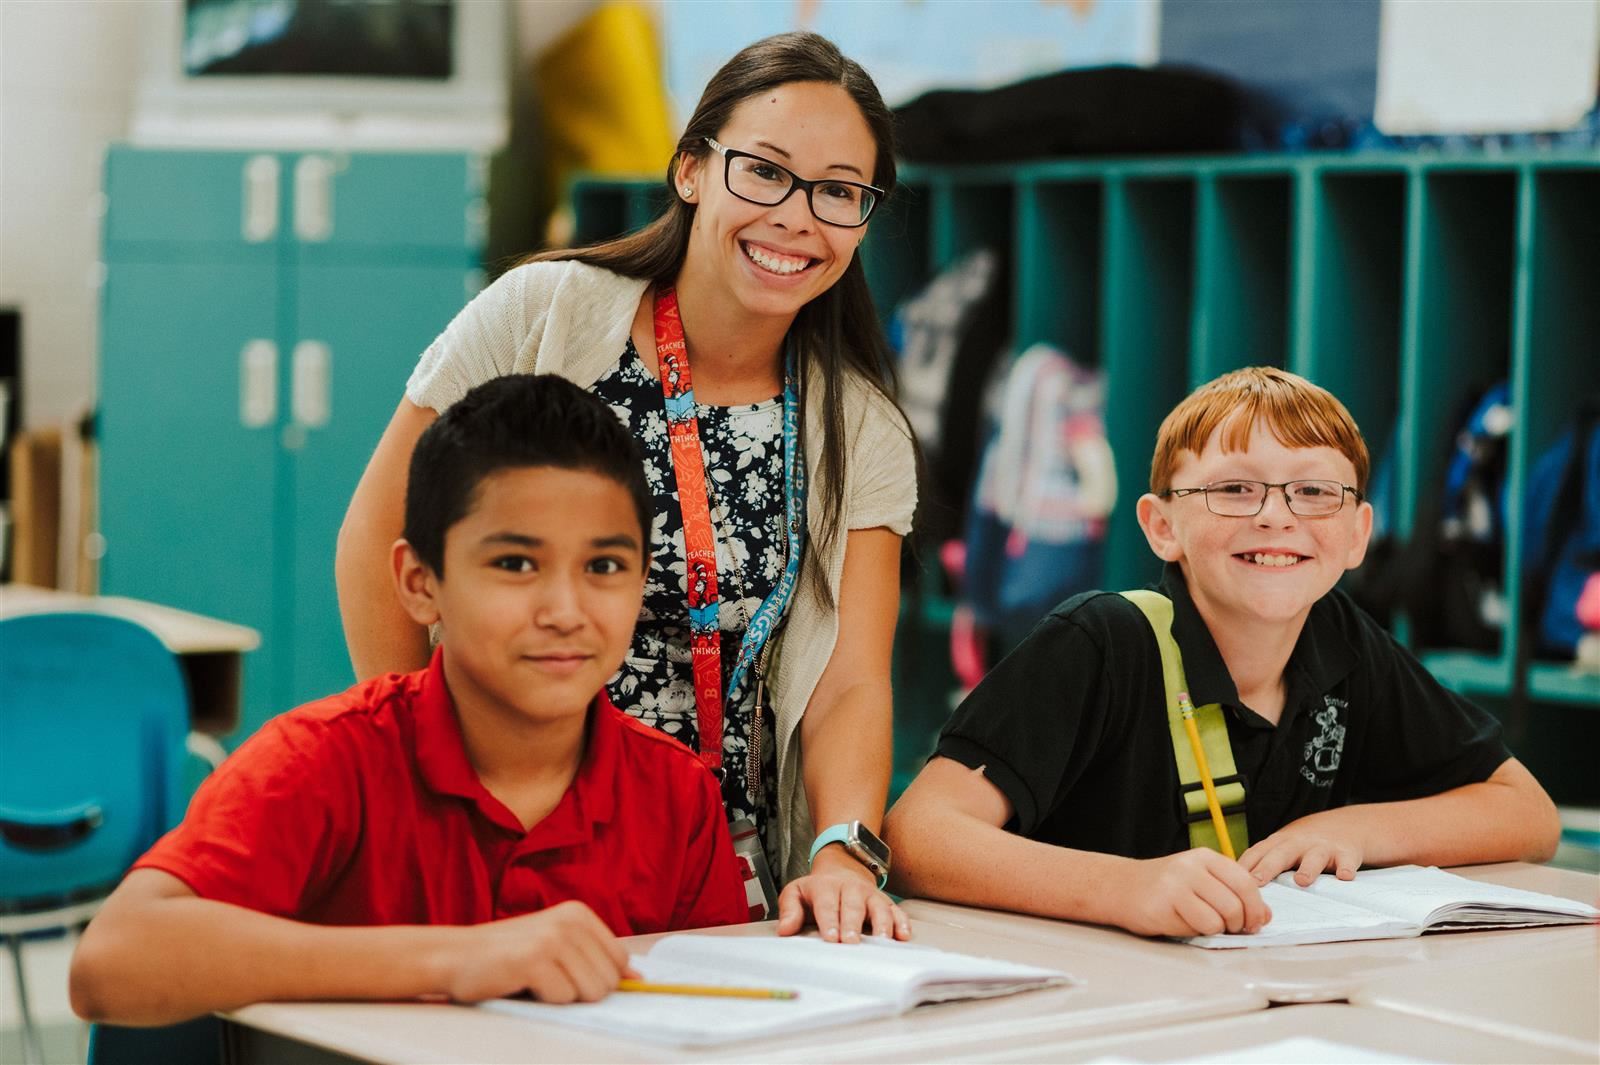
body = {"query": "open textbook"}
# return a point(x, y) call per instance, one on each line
point(1407, 900)
point(835, 983)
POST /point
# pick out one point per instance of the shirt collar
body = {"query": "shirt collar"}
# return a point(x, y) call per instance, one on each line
point(441, 758)
point(1322, 656)
point(1203, 668)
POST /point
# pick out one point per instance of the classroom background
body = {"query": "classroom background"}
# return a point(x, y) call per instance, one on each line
point(228, 228)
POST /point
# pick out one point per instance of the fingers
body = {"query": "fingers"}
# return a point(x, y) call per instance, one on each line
point(1208, 894)
point(581, 961)
point(1254, 912)
point(590, 972)
point(1196, 917)
point(1312, 863)
point(824, 898)
point(611, 947)
point(791, 909)
point(552, 983)
point(902, 923)
point(841, 908)
point(853, 911)
point(1223, 900)
point(882, 914)
point(1345, 863)
point(1274, 858)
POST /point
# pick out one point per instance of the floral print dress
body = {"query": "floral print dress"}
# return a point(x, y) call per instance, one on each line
point(743, 448)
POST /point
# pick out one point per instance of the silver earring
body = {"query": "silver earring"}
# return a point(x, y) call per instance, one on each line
point(688, 191)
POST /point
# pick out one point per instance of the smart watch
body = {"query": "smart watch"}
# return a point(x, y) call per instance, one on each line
point(860, 844)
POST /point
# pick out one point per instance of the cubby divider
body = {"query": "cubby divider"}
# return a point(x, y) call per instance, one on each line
point(1146, 285)
point(1058, 242)
point(1350, 293)
point(1241, 299)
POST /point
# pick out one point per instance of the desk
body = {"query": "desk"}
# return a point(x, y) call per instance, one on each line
point(1114, 994)
point(1373, 1031)
point(1551, 998)
point(1322, 972)
point(208, 650)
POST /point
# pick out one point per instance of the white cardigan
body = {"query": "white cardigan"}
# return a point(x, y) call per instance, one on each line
point(572, 319)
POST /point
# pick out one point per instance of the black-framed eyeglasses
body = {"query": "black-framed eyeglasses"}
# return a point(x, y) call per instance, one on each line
point(1245, 499)
point(757, 180)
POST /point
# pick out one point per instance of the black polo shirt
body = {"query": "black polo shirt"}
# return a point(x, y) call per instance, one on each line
point(1072, 725)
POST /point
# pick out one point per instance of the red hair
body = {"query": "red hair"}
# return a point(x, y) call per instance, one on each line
point(1297, 412)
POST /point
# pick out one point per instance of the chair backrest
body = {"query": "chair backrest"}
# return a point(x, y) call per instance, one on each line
point(93, 714)
point(196, 1042)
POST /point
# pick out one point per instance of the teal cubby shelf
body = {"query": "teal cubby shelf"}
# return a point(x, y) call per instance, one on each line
point(1404, 283)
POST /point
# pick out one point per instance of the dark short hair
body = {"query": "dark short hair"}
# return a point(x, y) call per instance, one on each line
point(513, 422)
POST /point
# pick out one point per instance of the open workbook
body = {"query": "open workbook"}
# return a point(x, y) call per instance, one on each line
point(834, 983)
point(1407, 900)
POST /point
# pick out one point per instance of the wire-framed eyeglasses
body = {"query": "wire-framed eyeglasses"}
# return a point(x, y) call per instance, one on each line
point(757, 180)
point(1245, 499)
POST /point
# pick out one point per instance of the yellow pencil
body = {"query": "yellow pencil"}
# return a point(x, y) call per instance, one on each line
point(708, 990)
point(1186, 708)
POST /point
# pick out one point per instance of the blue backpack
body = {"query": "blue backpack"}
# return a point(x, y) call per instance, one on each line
point(1448, 577)
point(1561, 532)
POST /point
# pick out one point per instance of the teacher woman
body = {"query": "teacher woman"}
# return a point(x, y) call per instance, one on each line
point(736, 337)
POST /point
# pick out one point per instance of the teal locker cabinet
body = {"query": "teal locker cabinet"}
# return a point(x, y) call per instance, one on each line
point(261, 313)
point(1399, 281)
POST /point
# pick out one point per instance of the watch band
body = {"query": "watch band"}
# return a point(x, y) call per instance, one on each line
point(840, 834)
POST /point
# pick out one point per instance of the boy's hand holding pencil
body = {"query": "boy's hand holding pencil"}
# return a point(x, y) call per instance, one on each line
point(562, 954)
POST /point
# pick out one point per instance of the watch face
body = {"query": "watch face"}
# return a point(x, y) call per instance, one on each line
point(872, 847)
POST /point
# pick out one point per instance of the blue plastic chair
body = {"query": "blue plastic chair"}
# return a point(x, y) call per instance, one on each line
point(94, 714)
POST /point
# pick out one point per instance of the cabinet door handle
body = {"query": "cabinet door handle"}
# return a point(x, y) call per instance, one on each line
point(260, 222)
point(258, 383)
point(313, 198)
point(310, 390)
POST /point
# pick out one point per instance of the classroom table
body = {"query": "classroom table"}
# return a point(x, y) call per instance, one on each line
point(1550, 997)
point(208, 650)
point(1114, 994)
point(1305, 1035)
point(1327, 972)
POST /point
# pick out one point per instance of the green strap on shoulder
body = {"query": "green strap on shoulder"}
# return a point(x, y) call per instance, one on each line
point(1213, 728)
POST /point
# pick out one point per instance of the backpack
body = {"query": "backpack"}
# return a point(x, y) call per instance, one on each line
point(1449, 577)
point(1112, 110)
point(1561, 532)
point(1046, 483)
point(948, 336)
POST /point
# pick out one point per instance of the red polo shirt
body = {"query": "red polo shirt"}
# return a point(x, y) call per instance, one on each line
point(362, 809)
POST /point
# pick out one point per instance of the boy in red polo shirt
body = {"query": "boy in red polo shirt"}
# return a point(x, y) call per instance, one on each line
point(496, 796)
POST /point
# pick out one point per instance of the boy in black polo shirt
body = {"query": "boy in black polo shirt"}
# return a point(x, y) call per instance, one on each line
point(1054, 789)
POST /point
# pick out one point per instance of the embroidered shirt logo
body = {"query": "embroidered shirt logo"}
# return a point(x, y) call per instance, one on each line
point(1323, 750)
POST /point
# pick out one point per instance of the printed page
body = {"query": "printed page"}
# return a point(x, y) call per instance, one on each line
point(1429, 896)
point(688, 1020)
point(905, 974)
point(1300, 916)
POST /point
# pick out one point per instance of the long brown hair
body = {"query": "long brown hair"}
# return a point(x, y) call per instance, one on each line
point(838, 331)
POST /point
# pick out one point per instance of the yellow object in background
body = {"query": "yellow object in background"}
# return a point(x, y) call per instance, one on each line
point(602, 94)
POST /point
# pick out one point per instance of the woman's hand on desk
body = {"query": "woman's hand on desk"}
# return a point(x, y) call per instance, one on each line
point(563, 954)
point(1194, 892)
point(844, 900)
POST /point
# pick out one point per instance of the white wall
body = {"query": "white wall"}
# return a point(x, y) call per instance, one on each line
point(67, 75)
